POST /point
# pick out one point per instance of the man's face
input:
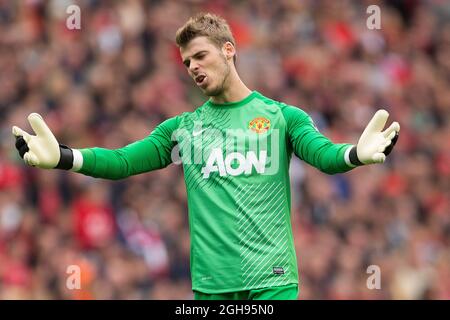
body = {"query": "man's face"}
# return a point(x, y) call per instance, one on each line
point(206, 64)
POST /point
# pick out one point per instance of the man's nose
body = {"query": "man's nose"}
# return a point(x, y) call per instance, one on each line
point(193, 66)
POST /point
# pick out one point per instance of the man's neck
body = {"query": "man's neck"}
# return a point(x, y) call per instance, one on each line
point(237, 91)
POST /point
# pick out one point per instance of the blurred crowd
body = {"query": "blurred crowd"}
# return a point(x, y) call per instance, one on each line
point(111, 82)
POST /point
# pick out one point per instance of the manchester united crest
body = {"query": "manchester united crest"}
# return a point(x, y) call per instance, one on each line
point(259, 125)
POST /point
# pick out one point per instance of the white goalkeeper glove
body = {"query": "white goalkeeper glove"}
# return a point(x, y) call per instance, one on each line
point(42, 150)
point(374, 144)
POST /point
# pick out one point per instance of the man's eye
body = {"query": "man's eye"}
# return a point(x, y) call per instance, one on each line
point(186, 64)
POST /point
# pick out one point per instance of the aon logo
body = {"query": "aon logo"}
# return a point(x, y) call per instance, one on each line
point(216, 163)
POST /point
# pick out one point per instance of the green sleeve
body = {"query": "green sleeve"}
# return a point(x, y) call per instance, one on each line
point(150, 153)
point(311, 146)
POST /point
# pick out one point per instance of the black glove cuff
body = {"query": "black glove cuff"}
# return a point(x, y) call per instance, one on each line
point(66, 159)
point(353, 156)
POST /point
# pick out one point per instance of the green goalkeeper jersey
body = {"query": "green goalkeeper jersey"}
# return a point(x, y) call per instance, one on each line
point(235, 159)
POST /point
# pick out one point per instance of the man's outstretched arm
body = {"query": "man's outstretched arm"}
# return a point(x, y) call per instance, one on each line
point(43, 151)
point(317, 150)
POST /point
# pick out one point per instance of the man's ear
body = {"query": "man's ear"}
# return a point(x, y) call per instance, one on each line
point(228, 50)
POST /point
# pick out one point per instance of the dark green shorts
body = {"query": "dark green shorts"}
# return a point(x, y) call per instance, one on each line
point(287, 292)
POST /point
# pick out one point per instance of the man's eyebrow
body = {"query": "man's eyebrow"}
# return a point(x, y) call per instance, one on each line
point(185, 61)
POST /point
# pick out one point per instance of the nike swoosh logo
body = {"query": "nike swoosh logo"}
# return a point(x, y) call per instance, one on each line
point(196, 133)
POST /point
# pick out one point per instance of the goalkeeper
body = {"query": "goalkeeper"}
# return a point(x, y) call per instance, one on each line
point(235, 150)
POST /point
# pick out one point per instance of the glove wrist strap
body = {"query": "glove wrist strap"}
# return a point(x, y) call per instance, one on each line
point(353, 157)
point(66, 159)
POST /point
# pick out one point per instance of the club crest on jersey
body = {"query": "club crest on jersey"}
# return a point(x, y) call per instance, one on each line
point(259, 125)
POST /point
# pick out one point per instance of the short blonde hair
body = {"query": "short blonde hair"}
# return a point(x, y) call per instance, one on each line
point(209, 25)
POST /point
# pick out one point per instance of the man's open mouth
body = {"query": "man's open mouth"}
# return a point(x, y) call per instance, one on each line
point(201, 79)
